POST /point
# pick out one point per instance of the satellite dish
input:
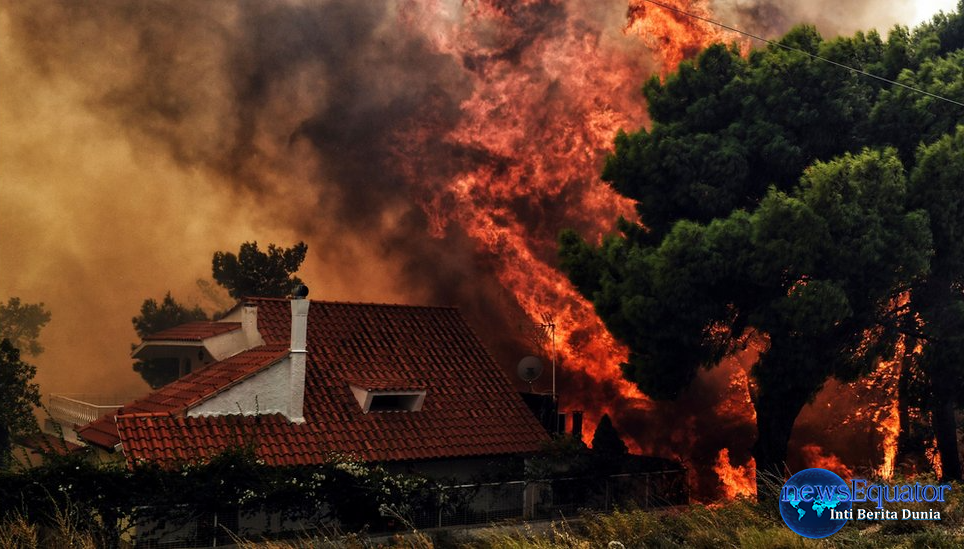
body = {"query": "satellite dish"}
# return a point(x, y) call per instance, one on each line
point(529, 369)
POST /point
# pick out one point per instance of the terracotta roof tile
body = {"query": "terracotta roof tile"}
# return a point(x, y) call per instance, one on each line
point(194, 331)
point(470, 406)
point(187, 390)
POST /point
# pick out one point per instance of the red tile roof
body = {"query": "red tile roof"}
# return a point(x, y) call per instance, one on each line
point(187, 390)
point(194, 331)
point(386, 384)
point(46, 442)
point(470, 407)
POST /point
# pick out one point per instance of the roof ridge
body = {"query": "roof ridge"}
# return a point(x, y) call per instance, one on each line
point(356, 303)
point(159, 413)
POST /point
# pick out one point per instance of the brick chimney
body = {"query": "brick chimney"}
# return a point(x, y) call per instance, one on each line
point(298, 356)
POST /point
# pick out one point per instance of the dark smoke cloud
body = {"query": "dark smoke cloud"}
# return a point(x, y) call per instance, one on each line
point(298, 107)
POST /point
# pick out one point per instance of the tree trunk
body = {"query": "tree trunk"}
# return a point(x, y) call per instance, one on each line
point(904, 396)
point(5, 447)
point(775, 417)
point(945, 431)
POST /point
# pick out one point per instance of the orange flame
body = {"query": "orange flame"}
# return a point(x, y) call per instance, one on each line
point(738, 481)
point(544, 117)
point(673, 34)
point(887, 416)
point(934, 458)
point(815, 456)
point(890, 427)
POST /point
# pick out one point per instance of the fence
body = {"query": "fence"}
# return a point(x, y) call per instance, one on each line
point(552, 498)
point(81, 409)
point(462, 505)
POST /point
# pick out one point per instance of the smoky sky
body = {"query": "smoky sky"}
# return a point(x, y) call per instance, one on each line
point(770, 18)
point(137, 138)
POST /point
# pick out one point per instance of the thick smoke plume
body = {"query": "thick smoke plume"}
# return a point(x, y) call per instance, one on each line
point(771, 18)
point(428, 152)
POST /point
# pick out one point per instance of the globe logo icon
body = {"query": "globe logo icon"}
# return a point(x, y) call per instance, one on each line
point(807, 499)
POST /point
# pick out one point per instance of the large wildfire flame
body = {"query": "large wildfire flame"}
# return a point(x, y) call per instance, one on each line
point(434, 150)
point(543, 116)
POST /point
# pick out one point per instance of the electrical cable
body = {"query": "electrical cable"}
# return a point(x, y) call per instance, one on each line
point(812, 55)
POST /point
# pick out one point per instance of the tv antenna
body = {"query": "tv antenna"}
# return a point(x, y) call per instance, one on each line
point(549, 325)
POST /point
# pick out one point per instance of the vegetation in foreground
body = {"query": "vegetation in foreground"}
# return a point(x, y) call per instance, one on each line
point(743, 523)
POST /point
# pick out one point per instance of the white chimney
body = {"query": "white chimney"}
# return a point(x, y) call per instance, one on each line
point(298, 354)
point(249, 326)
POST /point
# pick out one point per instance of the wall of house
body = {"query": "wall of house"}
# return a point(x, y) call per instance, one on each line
point(265, 392)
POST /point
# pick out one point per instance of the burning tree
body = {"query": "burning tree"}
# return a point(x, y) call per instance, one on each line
point(939, 300)
point(734, 245)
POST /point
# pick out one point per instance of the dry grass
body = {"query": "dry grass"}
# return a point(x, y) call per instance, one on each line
point(16, 532)
point(740, 524)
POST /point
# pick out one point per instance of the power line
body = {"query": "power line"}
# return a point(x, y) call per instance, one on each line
point(791, 48)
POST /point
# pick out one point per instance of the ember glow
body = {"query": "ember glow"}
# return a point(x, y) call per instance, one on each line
point(427, 151)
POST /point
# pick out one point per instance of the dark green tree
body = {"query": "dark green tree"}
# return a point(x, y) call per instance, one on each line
point(19, 396)
point(254, 273)
point(154, 318)
point(734, 245)
point(937, 185)
point(21, 324)
point(811, 272)
point(905, 119)
point(606, 439)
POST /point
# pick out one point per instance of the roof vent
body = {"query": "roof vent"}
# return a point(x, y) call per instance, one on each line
point(300, 292)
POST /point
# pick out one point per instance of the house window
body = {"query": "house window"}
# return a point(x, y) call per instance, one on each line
point(388, 400)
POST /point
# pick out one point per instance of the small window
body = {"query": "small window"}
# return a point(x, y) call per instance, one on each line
point(393, 403)
point(388, 400)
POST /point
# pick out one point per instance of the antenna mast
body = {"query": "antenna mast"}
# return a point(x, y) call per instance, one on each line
point(549, 324)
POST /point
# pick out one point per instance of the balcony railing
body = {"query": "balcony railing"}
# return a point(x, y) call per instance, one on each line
point(80, 409)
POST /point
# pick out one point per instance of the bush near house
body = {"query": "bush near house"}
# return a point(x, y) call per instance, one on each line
point(103, 503)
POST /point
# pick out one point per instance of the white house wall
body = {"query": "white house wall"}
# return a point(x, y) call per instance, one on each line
point(265, 392)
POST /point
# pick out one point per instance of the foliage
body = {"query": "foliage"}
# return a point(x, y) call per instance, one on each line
point(21, 324)
point(938, 302)
point(154, 318)
point(250, 273)
point(253, 273)
point(606, 439)
point(905, 119)
point(168, 313)
point(19, 396)
point(757, 223)
point(560, 456)
point(103, 500)
point(737, 524)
